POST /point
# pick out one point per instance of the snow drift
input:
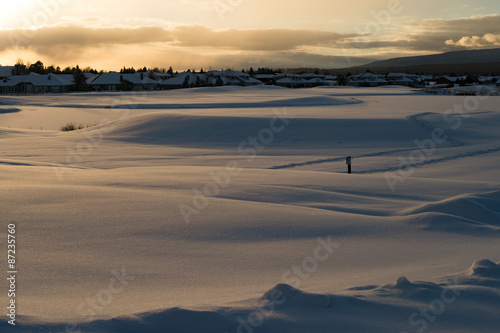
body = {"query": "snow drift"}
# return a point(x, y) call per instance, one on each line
point(402, 306)
point(205, 131)
point(92, 202)
point(9, 110)
point(466, 213)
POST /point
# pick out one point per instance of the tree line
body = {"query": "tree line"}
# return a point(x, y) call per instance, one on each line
point(39, 68)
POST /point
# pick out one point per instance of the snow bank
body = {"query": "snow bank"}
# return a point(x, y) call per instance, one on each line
point(206, 131)
point(9, 110)
point(108, 197)
point(466, 213)
point(403, 306)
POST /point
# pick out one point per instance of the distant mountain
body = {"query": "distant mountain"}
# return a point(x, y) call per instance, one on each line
point(448, 58)
point(474, 62)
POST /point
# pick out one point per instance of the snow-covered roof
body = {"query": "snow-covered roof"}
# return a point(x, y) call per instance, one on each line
point(37, 80)
point(264, 76)
point(367, 76)
point(162, 76)
point(252, 80)
point(280, 75)
point(115, 78)
point(400, 75)
point(50, 80)
point(310, 75)
point(179, 79)
point(6, 71)
point(90, 75)
point(290, 80)
point(139, 78)
point(400, 79)
point(489, 78)
point(105, 79)
point(453, 78)
point(377, 80)
point(228, 73)
point(13, 81)
point(316, 80)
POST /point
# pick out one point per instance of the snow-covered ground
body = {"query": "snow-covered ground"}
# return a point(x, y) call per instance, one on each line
point(230, 210)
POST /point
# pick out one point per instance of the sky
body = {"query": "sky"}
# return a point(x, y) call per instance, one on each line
point(236, 34)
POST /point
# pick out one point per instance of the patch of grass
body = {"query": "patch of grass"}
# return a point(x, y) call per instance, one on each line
point(70, 127)
point(73, 127)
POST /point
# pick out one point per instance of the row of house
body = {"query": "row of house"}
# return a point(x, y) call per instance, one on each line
point(297, 80)
point(452, 80)
point(153, 81)
point(412, 80)
point(114, 81)
point(401, 79)
point(36, 83)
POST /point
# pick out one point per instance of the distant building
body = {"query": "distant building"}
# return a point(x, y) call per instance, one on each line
point(36, 83)
point(292, 82)
point(367, 80)
point(209, 79)
point(265, 78)
point(330, 77)
point(187, 80)
point(449, 79)
point(317, 82)
point(402, 79)
point(6, 71)
point(115, 81)
point(309, 76)
point(235, 78)
point(494, 80)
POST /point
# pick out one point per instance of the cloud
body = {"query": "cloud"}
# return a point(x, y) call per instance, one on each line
point(184, 46)
point(475, 25)
point(429, 35)
point(255, 39)
point(487, 41)
point(78, 36)
point(109, 47)
point(289, 60)
point(437, 35)
point(184, 36)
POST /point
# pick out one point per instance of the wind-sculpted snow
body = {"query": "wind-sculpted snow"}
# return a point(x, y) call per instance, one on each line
point(466, 213)
point(294, 102)
point(178, 211)
point(9, 110)
point(205, 131)
point(149, 102)
point(402, 306)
